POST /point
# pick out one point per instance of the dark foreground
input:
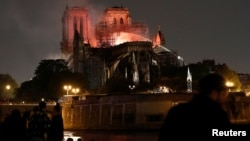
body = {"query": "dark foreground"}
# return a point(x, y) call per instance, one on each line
point(130, 135)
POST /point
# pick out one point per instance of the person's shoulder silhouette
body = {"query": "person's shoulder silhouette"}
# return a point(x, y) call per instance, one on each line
point(201, 114)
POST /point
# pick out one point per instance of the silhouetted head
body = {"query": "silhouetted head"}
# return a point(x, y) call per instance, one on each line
point(214, 86)
point(42, 104)
point(16, 113)
point(212, 82)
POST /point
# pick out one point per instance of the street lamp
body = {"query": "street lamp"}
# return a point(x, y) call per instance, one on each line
point(131, 87)
point(7, 87)
point(75, 90)
point(67, 88)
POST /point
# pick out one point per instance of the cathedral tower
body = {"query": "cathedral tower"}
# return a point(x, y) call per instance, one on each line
point(74, 18)
point(116, 21)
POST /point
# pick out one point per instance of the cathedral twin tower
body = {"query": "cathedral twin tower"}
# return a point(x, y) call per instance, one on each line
point(106, 32)
point(74, 19)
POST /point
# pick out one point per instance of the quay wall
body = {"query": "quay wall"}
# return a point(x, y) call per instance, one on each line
point(137, 111)
point(133, 112)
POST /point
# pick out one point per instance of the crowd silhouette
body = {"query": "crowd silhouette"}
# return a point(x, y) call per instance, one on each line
point(37, 124)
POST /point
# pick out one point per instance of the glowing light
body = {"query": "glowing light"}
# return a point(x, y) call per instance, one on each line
point(7, 87)
point(131, 87)
point(229, 84)
point(67, 88)
point(123, 37)
point(75, 90)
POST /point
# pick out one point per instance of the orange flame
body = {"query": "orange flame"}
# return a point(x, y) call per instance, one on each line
point(123, 37)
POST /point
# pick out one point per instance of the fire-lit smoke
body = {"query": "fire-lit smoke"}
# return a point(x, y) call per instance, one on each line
point(123, 37)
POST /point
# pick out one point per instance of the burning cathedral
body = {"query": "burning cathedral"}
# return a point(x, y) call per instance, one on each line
point(113, 47)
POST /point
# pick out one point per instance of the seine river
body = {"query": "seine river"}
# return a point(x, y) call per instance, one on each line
point(117, 135)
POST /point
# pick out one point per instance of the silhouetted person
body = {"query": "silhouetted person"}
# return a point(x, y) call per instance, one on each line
point(56, 128)
point(13, 127)
point(204, 112)
point(39, 123)
point(1, 131)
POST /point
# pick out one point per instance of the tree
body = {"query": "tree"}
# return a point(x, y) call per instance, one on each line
point(45, 73)
point(39, 86)
point(230, 76)
point(47, 68)
point(177, 78)
point(76, 80)
point(50, 76)
point(27, 90)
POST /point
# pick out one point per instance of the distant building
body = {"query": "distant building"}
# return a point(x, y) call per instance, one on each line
point(116, 27)
point(115, 45)
point(74, 18)
point(131, 60)
point(245, 83)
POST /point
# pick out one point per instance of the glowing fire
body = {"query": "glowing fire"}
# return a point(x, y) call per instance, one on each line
point(123, 37)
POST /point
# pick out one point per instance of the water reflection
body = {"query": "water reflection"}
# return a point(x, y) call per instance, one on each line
point(117, 135)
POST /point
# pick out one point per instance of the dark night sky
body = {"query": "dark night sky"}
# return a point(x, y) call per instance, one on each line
point(30, 30)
